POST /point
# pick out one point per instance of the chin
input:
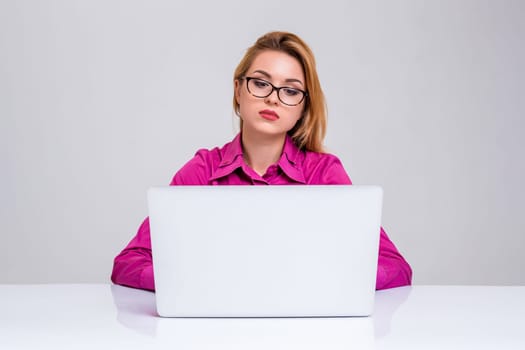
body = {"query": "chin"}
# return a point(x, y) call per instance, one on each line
point(267, 130)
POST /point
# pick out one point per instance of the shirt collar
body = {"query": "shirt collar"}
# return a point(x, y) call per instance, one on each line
point(290, 161)
point(231, 159)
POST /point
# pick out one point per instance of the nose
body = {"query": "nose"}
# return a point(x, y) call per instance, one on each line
point(272, 98)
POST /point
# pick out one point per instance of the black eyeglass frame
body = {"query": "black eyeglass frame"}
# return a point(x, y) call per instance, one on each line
point(275, 88)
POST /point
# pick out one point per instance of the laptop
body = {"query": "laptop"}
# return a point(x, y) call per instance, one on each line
point(265, 251)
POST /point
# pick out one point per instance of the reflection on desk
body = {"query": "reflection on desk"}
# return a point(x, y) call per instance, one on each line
point(421, 317)
point(241, 333)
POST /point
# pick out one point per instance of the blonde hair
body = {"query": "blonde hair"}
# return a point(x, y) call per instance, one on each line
point(309, 131)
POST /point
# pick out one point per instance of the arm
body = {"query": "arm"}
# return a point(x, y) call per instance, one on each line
point(133, 267)
point(392, 268)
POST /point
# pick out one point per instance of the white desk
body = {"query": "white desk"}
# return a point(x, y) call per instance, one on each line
point(90, 316)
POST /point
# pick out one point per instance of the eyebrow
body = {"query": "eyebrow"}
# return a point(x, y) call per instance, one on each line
point(289, 80)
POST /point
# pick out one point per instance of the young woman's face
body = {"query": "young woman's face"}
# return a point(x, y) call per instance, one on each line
point(269, 115)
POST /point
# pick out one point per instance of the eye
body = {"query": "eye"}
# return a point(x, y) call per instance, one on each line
point(291, 92)
point(261, 84)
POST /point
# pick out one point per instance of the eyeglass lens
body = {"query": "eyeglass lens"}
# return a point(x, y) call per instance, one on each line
point(262, 88)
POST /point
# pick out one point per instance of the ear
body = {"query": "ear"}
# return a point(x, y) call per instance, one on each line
point(237, 90)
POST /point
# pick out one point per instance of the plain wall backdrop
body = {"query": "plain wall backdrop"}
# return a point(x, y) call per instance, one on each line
point(99, 100)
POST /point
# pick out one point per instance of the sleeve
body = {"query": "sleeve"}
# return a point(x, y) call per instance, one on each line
point(392, 269)
point(133, 267)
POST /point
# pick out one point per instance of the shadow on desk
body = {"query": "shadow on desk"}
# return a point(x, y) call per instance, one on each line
point(136, 311)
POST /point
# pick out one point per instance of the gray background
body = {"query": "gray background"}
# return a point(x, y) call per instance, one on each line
point(100, 100)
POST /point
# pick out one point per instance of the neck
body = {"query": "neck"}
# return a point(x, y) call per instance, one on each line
point(262, 151)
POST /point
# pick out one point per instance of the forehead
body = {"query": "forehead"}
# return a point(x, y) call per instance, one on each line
point(279, 65)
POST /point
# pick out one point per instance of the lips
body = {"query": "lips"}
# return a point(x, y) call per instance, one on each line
point(269, 114)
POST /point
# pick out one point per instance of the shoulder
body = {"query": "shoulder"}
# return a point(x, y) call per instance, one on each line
point(324, 168)
point(198, 170)
point(320, 158)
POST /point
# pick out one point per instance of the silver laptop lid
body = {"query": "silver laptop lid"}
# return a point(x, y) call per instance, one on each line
point(265, 251)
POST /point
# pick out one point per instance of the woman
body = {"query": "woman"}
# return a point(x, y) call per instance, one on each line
point(278, 98)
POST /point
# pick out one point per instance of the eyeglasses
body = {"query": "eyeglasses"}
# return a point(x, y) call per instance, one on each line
point(261, 88)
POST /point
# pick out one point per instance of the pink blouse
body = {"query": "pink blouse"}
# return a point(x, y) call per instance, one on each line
point(225, 166)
